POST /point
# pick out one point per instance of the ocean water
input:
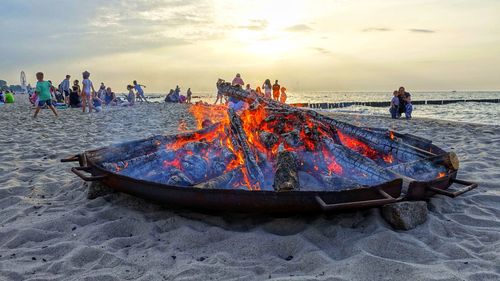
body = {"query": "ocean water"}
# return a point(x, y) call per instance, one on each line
point(470, 112)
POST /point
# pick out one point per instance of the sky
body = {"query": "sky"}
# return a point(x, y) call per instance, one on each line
point(338, 45)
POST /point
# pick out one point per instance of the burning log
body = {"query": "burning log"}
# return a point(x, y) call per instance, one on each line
point(286, 177)
point(427, 169)
point(228, 180)
point(371, 173)
point(239, 137)
point(376, 140)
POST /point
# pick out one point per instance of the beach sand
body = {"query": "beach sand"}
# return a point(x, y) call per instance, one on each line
point(49, 230)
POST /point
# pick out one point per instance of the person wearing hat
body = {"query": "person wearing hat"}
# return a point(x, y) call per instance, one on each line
point(88, 91)
point(237, 81)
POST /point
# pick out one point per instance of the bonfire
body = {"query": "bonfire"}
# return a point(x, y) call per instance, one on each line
point(273, 146)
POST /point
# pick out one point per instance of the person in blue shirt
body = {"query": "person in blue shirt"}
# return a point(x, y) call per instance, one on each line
point(97, 102)
point(65, 89)
point(140, 91)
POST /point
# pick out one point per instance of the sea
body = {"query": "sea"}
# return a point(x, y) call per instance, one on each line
point(468, 112)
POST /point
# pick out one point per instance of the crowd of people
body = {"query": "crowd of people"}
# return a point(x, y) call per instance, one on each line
point(46, 95)
point(176, 96)
point(401, 103)
point(275, 91)
point(85, 96)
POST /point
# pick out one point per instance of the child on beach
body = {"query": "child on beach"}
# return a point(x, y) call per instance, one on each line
point(87, 91)
point(408, 106)
point(43, 93)
point(283, 95)
point(258, 91)
point(394, 109)
point(140, 91)
point(131, 95)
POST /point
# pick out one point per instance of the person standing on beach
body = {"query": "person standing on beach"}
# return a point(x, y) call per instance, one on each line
point(283, 95)
point(220, 95)
point(44, 96)
point(188, 95)
point(65, 89)
point(267, 87)
point(131, 95)
point(237, 81)
point(87, 91)
point(140, 91)
point(276, 91)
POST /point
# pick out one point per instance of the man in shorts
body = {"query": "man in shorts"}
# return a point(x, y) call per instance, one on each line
point(44, 96)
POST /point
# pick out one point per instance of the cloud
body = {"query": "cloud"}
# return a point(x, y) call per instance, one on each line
point(299, 28)
point(420, 30)
point(321, 50)
point(376, 29)
point(255, 25)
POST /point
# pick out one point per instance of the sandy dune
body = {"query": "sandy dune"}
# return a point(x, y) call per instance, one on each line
point(50, 231)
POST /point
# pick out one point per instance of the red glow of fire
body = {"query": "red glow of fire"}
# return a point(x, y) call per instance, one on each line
point(310, 134)
point(441, 174)
point(175, 163)
point(391, 135)
point(357, 145)
point(213, 113)
point(364, 149)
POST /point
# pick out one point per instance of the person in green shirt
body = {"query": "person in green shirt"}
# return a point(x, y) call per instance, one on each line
point(44, 96)
point(9, 97)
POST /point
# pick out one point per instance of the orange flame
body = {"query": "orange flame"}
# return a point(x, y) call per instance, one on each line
point(388, 158)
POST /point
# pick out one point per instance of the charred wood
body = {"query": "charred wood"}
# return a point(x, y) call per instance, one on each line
point(286, 177)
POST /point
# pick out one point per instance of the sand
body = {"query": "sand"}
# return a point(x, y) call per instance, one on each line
point(49, 230)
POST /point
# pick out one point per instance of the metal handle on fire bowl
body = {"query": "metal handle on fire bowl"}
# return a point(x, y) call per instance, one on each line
point(358, 204)
point(73, 158)
point(468, 187)
point(78, 171)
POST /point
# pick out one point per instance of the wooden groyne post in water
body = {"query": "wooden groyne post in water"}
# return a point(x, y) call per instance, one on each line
point(326, 105)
